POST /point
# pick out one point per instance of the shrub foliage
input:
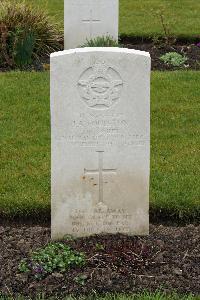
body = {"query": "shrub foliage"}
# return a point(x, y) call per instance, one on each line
point(26, 33)
point(101, 41)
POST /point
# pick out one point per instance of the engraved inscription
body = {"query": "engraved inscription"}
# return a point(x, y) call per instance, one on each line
point(117, 220)
point(91, 21)
point(100, 171)
point(110, 129)
point(100, 86)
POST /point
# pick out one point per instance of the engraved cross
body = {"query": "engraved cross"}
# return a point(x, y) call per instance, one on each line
point(91, 21)
point(100, 171)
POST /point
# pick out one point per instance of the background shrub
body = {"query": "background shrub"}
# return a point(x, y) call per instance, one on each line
point(101, 41)
point(26, 33)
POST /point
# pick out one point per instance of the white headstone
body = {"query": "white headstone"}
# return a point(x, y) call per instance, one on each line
point(100, 114)
point(87, 19)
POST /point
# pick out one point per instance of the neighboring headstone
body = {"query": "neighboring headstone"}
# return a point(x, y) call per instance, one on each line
point(87, 19)
point(100, 114)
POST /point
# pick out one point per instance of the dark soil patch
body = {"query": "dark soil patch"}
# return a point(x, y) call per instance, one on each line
point(169, 259)
point(191, 51)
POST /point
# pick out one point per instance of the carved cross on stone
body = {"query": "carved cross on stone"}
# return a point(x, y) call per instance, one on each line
point(100, 171)
point(91, 21)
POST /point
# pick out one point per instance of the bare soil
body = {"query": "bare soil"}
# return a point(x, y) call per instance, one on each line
point(167, 259)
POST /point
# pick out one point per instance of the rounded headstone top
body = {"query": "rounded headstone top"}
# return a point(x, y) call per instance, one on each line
point(100, 49)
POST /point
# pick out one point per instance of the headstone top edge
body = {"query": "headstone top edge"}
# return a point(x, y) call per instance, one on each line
point(67, 1)
point(100, 49)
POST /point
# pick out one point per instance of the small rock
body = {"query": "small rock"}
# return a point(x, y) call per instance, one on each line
point(20, 243)
point(178, 271)
point(2, 230)
point(57, 275)
point(11, 238)
point(160, 243)
point(159, 258)
point(22, 277)
point(50, 288)
point(5, 255)
point(191, 226)
point(28, 244)
point(32, 285)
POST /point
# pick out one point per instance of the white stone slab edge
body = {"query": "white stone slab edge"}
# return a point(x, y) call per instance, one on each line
point(100, 49)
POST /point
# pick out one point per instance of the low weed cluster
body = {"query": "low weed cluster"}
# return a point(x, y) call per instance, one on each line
point(173, 58)
point(55, 257)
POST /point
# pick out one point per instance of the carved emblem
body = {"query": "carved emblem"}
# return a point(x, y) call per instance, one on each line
point(100, 86)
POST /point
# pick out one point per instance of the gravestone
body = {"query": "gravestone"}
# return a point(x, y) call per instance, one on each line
point(100, 120)
point(87, 19)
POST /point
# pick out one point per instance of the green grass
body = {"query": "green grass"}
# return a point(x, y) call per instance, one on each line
point(144, 296)
point(25, 144)
point(175, 151)
point(139, 18)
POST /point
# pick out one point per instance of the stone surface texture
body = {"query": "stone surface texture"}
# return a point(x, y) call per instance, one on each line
point(86, 19)
point(100, 125)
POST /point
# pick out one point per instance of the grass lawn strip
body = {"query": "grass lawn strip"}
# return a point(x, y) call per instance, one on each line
point(139, 18)
point(25, 144)
point(175, 154)
point(144, 296)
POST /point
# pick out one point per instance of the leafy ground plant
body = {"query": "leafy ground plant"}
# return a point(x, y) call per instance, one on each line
point(101, 41)
point(173, 58)
point(55, 257)
point(26, 33)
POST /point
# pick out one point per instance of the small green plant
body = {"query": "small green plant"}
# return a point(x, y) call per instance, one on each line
point(23, 267)
point(81, 279)
point(99, 247)
point(101, 41)
point(68, 237)
point(167, 37)
point(173, 58)
point(55, 257)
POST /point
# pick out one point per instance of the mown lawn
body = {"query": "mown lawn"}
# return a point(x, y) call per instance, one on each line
point(25, 144)
point(139, 18)
point(144, 296)
point(175, 151)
